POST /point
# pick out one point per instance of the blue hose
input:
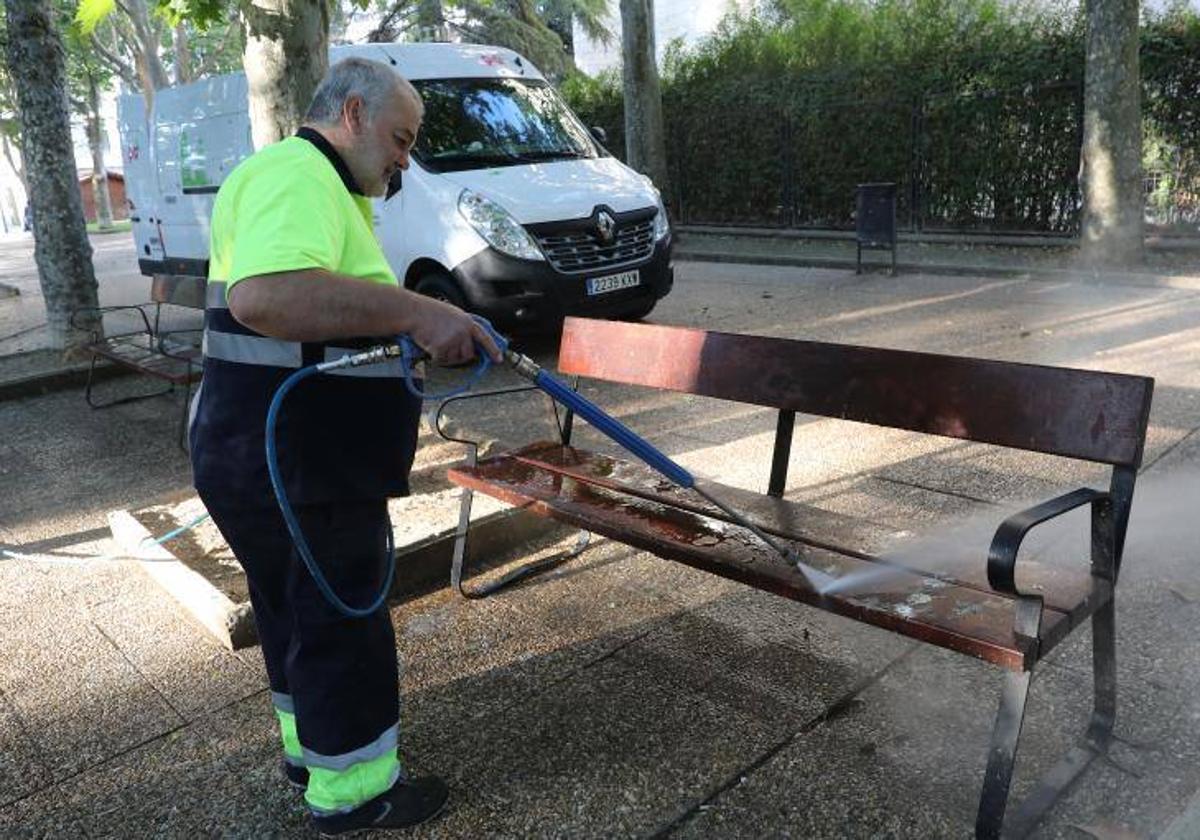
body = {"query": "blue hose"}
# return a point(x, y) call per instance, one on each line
point(410, 356)
point(293, 525)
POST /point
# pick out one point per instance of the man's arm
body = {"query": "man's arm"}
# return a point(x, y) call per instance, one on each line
point(318, 305)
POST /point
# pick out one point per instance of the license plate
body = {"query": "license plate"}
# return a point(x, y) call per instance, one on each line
point(613, 282)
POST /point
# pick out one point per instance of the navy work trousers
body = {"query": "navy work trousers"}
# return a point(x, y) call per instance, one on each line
point(341, 672)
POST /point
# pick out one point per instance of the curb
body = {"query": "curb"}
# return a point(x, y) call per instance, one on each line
point(230, 624)
point(60, 379)
point(421, 567)
point(1186, 282)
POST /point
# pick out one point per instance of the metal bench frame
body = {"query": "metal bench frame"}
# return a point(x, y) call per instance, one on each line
point(150, 350)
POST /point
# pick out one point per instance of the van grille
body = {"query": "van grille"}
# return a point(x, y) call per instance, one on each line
point(577, 251)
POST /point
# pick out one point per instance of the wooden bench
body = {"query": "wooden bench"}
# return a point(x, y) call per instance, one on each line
point(1080, 414)
point(173, 356)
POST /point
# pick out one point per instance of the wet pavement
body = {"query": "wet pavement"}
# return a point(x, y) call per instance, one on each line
point(623, 695)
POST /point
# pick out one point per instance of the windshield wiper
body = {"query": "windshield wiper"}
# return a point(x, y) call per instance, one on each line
point(481, 159)
point(551, 154)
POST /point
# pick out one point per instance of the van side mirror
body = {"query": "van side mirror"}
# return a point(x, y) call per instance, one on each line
point(394, 184)
point(600, 135)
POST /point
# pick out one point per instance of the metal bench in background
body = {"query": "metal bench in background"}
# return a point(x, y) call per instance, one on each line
point(978, 610)
point(151, 346)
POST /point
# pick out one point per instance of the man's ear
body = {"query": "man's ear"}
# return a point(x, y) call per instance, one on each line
point(354, 114)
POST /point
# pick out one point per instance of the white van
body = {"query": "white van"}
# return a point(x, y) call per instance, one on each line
point(511, 207)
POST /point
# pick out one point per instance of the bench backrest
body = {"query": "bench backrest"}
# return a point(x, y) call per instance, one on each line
point(179, 289)
point(1085, 414)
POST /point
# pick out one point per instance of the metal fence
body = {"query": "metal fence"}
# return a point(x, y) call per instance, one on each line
point(988, 161)
point(976, 161)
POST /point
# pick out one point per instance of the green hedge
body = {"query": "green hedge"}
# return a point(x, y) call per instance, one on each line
point(973, 107)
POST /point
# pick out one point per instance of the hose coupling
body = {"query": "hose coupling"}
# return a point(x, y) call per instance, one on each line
point(522, 364)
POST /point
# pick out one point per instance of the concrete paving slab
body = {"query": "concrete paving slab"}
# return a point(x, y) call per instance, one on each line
point(71, 688)
point(833, 644)
point(21, 769)
point(196, 674)
point(476, 658)
point(996, 474)
point(34, 819)
point(162, 787)
point(615, 753)
point(76, 694)
point(252, 798)
point(883, 767)
point(715, 651)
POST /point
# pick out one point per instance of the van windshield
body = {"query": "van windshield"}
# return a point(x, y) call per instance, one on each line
point(477, 123)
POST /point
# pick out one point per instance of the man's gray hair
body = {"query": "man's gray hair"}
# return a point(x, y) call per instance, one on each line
point(372, 81)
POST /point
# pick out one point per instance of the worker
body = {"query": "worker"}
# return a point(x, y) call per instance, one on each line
point(297, 277)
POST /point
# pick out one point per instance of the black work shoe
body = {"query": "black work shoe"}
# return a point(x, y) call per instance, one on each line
point(297, 776)
point(409, 802)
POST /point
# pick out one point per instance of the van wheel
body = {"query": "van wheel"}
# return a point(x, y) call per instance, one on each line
point(441, 287)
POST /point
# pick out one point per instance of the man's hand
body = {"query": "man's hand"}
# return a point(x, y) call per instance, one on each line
point(450, 335)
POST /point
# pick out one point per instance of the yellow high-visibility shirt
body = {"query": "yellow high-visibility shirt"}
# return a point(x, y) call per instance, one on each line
point(286, 208)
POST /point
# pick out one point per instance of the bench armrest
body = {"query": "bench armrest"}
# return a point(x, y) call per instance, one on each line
point(1002, 555)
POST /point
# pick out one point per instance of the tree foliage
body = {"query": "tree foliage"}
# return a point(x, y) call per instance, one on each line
point(973, 107)
point(541, 30)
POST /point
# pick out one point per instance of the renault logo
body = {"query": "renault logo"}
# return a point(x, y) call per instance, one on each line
point(606, 225)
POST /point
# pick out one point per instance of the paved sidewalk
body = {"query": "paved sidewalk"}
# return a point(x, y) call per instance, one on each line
point(1172, 262)
point(623, 696)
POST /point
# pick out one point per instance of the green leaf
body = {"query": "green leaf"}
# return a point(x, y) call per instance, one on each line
point(91, 12)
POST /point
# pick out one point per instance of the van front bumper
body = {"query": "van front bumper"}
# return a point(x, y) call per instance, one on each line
point(511, 292)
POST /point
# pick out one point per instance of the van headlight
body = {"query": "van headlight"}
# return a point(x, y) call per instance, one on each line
point(662, 225)
point(497, 226)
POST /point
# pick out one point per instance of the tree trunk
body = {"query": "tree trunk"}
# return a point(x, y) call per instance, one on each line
point(1111, 157)
point(95, 135)
point(645, 145)
point(62, 251)
point(149, 38)
point(183, 55)
point(287, 53)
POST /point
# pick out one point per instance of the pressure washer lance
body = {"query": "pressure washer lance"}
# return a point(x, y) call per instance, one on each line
point(643, 449)
point(410, 355)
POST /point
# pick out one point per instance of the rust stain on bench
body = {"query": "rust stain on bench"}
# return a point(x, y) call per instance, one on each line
point(1067, 591)
point(945, 613)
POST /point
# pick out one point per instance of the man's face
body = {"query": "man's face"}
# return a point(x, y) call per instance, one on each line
point(380, 145)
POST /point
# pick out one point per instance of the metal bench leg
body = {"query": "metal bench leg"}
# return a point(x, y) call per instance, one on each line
point(1096, 739)
point(518, 574)
point(87, 391)
point(1002, 755)
point(183, 418)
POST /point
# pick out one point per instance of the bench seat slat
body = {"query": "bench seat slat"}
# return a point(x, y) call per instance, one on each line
point(135, 352)
point(1068, 591)
point(960, 618)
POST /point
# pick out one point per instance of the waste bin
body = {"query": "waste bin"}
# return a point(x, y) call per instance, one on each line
point(875, 220)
